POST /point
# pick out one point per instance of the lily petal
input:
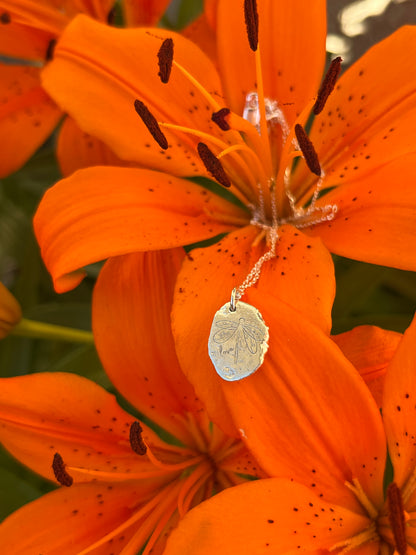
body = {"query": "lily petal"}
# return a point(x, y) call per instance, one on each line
point(26, 43)
point(304, 279)
point(76, 518)
point(292, 44)
point(50, 16)
point(41, 414)
point(42, 16)
point(76, 150)
point(370, 117)
point(370, 350)
point(262, 517)
point(131, 321)
point(399, 407)
point(201, 33)
point(375, 221)
point(118, 76)
point(27, 115)
point(287, 408)
point(108, 211)
point(145, 12)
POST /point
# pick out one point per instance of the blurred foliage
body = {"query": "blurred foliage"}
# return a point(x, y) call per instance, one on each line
point(366, 294)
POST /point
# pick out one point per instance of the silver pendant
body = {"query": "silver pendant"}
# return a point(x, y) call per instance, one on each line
point(238, 340)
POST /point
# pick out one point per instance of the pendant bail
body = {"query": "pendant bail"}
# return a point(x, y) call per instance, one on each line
point(234, 298)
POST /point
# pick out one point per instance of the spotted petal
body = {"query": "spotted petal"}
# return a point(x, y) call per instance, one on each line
point(77, 517)
point(292, 48)
point(399, 407)
point(286, 410)
point(27, 115)
point(267, 516)
point(131, 322)
point(104, 211)
point(301, 274)
point(375, 221)
point(41, 414)
point(107, 59)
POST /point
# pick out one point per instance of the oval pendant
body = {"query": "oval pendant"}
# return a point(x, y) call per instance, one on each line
point(238, 341)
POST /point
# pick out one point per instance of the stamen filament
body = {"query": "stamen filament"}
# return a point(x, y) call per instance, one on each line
point(262, 109)
point(217, 440)
point(244, 148)
point(198, 475)
point(251, 138)
point(197, 434)
point(259, 238)
point(362, 497)
point(208, 97)
point(117, 476)
point(223, 478)
point(237, 180)
point(204, 493)
point(366, 536)
point(174, 466)
point(168, 511)
point(228, 450)
point(196, 132)
point(158, 500)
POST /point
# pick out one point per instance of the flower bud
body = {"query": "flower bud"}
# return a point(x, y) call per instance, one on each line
point(10, 311)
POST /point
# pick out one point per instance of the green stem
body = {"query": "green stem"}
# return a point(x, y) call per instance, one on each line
point(41, 330)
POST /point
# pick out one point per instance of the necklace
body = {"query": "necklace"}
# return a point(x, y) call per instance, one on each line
point(239, 337)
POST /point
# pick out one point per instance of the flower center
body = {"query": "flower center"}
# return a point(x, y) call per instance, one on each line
point(182, 476)
point(255, 154)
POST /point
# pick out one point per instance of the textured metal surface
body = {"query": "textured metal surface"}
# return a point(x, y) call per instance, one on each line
point(238, 341)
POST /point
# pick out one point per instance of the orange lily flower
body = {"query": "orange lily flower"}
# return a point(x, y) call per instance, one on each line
point(29, 31)
point(100, 213)
point(124, 493)
point(321, 436)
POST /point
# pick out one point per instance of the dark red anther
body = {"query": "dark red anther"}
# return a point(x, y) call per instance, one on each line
point(136, 439)
point(5, 18)
point(151, 123)
point(61, 475)
point(396, 518)
point(213, 165)
point(252, 23)
point(219, 119)
point(165, 57)
point(50, 50)
point(308, 150)
point(328, 85)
